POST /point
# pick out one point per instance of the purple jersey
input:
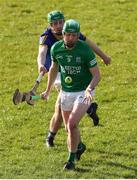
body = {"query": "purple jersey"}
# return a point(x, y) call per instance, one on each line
point(48, 39)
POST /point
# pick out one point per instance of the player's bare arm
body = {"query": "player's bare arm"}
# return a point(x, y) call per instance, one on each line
point(51, 78)
point(41, 58)
point(94, 82)
point(106, 59)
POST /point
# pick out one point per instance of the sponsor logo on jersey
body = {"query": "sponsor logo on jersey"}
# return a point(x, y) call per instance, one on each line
point(71, 69)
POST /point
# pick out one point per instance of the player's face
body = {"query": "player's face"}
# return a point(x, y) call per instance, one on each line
point(57, 26)
point(70, 39)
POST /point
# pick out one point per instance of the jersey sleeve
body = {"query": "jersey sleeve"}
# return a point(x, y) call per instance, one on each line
point(45, 38)
point(52, 53)
point(82, 37)
point(91, 58)
point(42, 39)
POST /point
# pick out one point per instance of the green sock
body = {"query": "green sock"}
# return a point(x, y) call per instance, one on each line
point(71, 156)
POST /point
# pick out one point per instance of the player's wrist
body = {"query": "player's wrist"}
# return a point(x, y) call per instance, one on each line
point(40, 65)
point(90, 88)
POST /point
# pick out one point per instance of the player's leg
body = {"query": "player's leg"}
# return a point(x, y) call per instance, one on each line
point(67, 101)
point(69, 165)
point(55, 124)
point(80, 110)
point(71, 120)
point(73, 133)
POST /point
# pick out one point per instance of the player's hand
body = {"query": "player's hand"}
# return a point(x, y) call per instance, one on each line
point(42, 69)
point(107, 60)
point(89, 94)
point(45, 95)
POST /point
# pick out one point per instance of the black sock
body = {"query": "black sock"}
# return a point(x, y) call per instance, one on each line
point(90, 110)
point(51, 134)
point(24, 97)
point(80, 146)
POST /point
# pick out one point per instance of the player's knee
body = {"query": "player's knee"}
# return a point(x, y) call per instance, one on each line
point(58, 118)
point(57, 110)
point(71, 126)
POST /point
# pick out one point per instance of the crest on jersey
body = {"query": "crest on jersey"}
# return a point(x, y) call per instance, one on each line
point(78, 59)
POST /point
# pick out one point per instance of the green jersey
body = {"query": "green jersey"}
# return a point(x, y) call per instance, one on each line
point(74, 64)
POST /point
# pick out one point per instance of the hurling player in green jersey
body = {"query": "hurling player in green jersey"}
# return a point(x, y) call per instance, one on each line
point(79, 77)
point(51, 35)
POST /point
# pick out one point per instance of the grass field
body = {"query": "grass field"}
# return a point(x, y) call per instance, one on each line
point(112, 146)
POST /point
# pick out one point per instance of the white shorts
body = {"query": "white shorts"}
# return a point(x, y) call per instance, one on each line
point(57, 82)
point(68, 99)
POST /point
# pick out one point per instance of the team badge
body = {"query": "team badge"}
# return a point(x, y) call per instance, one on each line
point(78, 59)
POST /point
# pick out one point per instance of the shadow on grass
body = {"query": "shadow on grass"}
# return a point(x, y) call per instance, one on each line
point(123, 166)
point(104, 174)
point(82, 170)
point(112, 154)
point(108, 159)
point(99, 125)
